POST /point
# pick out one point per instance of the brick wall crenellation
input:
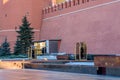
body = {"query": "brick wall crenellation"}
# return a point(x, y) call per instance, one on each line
point(64, 5)
point(69, 6)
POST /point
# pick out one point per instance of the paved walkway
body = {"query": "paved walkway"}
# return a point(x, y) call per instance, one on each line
point(48, 75)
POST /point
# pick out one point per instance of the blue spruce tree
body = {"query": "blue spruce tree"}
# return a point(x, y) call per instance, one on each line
point(5, 48)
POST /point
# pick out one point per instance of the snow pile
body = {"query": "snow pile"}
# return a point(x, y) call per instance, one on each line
point(81, 63)
point(49, 57)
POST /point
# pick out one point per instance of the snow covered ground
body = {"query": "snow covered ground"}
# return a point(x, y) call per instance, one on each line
point(49, 57)
point(81, 63)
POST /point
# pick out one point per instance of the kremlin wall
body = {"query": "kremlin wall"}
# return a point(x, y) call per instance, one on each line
point(96, 23)
point(12, 12)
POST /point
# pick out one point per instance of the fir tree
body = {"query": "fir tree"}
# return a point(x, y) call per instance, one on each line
point(25, 35)
point(17, 48)
point(0, 51)
point(5, 48)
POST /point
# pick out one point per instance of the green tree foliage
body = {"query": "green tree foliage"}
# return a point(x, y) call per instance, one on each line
point(0, 51)
point(17, 48)
point(5, 48)
point(25, 36)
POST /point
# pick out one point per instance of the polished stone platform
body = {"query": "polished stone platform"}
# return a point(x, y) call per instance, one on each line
point(28, 74)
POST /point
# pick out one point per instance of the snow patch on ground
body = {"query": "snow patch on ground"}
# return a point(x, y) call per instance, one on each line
point(81, 63)
point(47, 57)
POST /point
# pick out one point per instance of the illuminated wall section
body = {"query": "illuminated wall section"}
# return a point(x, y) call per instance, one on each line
point(54, 2)
point(60, 1)
point(5, 1)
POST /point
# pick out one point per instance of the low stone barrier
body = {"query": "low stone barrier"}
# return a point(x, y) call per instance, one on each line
point(113, 71)
point(85, 69)
point(62, 57)
point(12, 64)
point(62, 67)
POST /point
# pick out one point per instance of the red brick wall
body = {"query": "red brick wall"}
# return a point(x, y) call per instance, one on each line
point(98, 27)
point(70, 6)
point(12, 13)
